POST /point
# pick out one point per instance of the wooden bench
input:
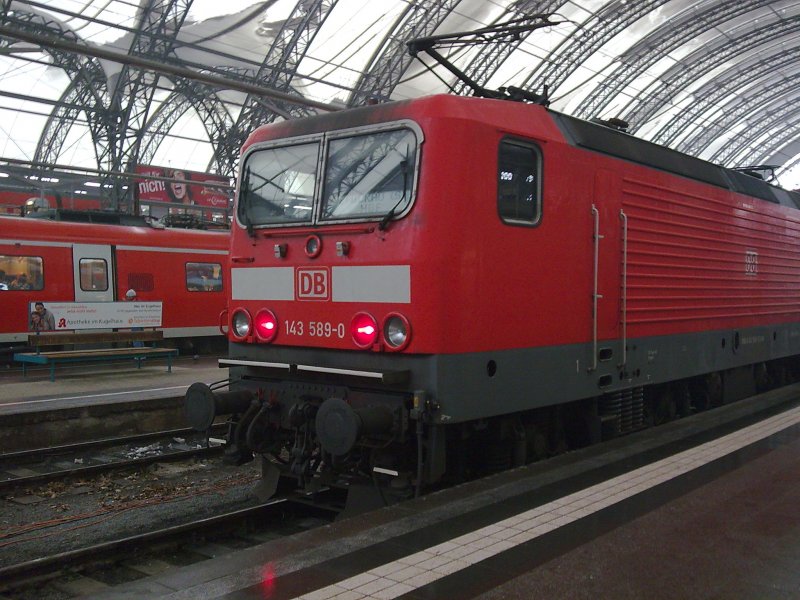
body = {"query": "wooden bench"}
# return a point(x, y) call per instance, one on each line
point(52, 358)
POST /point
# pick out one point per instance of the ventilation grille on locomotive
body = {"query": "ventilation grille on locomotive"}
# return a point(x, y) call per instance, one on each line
point(623, 411)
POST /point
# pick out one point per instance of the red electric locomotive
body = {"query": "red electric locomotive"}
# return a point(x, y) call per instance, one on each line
point(452, 285)
point(59, 261)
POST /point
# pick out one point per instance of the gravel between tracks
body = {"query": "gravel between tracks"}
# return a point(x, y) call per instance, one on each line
point(51, 518)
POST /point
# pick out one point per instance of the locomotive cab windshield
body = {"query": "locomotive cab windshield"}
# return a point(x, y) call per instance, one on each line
point(340, 177)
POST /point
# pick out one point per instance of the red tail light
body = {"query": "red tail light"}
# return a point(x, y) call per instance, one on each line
point(266, 325)
point(364, 329)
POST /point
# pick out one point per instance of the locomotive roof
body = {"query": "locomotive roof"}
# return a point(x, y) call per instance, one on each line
point(613, 142)
point(45, 229)
point(575, 131)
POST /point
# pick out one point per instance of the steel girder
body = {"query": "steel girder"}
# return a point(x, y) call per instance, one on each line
point(782, 135)
point(391, 60)
point(66, 114)
point(187, 95)
point(777, 125)
point(708, 58)
point(711, 95)
point(132, 95)
point(486, 63)
point(113, 117)
point(653, 47)
point(88, 86)
point(277, 70)
point(612, 19)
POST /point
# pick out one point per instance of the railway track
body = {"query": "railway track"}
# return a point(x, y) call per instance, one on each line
point(125, 559)
point(42, 465)
point(72, 574)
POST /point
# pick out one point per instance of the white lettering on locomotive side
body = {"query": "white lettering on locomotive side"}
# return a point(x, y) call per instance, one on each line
point(319, 329)
point(750, 262)
point(312, 284)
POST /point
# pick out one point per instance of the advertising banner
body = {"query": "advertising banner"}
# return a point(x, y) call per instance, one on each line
point(94, 315)
point(190, 188)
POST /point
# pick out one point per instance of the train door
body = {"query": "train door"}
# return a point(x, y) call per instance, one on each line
point(93, 270)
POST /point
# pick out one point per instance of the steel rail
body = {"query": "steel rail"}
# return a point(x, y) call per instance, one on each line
point(13, 458)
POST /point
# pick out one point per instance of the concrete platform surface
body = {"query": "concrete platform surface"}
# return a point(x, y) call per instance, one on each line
point(103, 383)
point(737, 537)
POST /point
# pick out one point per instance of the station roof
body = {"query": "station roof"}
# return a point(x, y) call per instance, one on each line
point(108, 84)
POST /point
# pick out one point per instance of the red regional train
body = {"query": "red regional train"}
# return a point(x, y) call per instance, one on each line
point(59, 261)
point(447, 286)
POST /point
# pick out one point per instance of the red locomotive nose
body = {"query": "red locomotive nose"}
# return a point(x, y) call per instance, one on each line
point(364, 329)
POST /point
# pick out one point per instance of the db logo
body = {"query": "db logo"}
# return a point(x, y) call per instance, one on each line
point(312, 284)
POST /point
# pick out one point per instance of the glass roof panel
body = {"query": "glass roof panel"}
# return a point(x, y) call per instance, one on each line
point(233, 37)
point(187, 140)
point(24, 115)
point(98, 21)
point(341, 59)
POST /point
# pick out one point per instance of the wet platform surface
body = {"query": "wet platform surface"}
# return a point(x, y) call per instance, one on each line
point(735, 537)
point(701, 508)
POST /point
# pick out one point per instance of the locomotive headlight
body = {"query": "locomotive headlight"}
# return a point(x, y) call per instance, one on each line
point(313, 246)
point(396, 331)
point(364, 329)
point(266, 325)
point(240, 324)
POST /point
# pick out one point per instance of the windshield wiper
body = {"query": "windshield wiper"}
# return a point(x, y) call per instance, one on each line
point(245, 199)
point(390, 215)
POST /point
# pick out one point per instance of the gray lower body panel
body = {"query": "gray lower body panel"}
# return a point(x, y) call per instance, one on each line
point(477, 385)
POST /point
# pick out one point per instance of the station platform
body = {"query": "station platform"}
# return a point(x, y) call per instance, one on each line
point(88, 384)
point(703, 508)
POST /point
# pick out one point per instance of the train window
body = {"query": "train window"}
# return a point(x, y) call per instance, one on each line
point(519, 183)
point(19, 273)
point(278, 185)
point(369, 175)
point(94, 274)
point(203, 277)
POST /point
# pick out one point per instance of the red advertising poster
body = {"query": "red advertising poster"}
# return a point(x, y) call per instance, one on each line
point(188, 187)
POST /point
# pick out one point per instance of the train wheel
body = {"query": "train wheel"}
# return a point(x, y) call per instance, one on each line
point(683, 399)
point(762, 376)
point(778, 373)
point(714, 386)
point(706, 392)
point(661, 406)
point(537, 442)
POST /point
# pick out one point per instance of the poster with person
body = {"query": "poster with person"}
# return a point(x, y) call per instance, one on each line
point(58, 316)
point(179, 186)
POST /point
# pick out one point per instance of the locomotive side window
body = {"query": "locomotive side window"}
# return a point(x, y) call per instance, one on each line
point(94, 274)
point(278, 185)
point(519, 183)
point(203, 277)
point(369, 175)
point(21, 273)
